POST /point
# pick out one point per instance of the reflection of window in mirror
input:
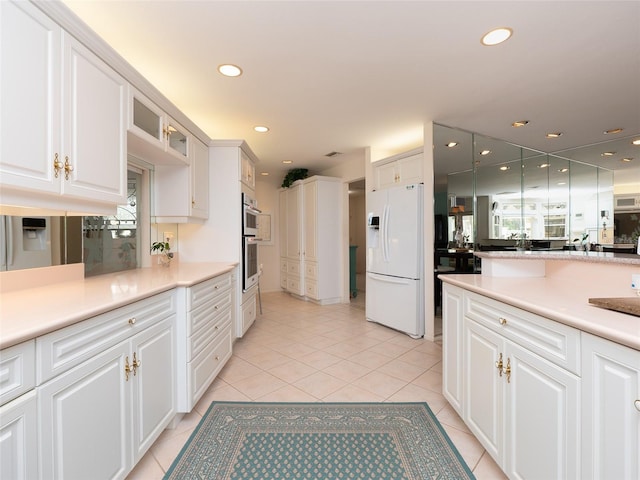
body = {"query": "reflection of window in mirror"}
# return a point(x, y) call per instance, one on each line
point(112, 243)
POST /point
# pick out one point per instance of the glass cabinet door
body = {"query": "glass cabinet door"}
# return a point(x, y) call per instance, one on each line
point(177, 141)
point(147, 120)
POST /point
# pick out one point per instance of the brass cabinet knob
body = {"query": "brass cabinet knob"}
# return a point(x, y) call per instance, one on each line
point(507, 370)
point(499, 365)
point(503, 321)
point(132, 320)
point(127, 369)
point(57, 165)
point(68, 168)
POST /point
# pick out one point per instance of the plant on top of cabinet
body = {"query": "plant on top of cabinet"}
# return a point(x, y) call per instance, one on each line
point(293, 175)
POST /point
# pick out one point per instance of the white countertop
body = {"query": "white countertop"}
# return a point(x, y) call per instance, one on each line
point(559, 300)
point(589, 257)
point(29, 313)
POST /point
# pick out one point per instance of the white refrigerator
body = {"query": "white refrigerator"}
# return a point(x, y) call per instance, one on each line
point(25, 242)
point(395, 265)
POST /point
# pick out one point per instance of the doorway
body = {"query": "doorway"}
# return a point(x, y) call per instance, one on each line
point(357, 243)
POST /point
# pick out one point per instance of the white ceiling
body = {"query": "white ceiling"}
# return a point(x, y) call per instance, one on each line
point(343, 75)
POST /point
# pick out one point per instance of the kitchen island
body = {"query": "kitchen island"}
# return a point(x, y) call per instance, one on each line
point(548, 383)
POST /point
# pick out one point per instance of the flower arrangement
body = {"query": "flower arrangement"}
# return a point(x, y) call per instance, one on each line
point(162, 248)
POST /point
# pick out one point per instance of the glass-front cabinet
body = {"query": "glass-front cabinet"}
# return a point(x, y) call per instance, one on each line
point(155, 135)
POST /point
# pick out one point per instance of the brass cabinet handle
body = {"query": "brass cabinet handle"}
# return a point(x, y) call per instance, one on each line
point(127, 369)
point(57, 165)
point(637, 404)
point(503, 321)
point(132, 320)
point(507, 370)
point(135, 363)
point(499, 365)
point(68, 168)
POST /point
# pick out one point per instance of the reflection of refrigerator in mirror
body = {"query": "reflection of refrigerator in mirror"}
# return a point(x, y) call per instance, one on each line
point(25, 242)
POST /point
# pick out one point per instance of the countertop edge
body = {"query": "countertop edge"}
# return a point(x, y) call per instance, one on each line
point(592, 257)
point(19, 315)
point(602, 323)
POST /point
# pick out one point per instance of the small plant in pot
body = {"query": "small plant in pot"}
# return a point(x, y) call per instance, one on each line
point(584, 242)
point(163, 250)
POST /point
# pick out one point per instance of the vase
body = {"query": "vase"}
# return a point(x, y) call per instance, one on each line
point(164, 259)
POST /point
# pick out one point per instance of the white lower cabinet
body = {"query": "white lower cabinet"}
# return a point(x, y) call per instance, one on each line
point(19, 438)
point(204, 337)
point(610, 410)
point(514, 379)
point(100, 416)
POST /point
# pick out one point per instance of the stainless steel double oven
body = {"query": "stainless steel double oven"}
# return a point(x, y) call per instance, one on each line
point(250, 268)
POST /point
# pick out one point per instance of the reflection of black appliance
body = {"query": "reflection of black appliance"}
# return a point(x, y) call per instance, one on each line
point(440, 231)
point(250, 270)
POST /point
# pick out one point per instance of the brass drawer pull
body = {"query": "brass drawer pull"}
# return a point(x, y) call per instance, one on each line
point(499, 365)
point(503, 321)
point(507, 370)
point(132, 320)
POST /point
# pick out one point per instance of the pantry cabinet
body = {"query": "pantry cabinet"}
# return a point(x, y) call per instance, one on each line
point(63, 117)
point(123, 361)
point(403, 169)
point(182, 192)
point(610, 410)
point(154, 135)
point(312, 228)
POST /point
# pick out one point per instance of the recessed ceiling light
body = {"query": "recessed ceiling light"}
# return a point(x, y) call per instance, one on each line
point(264, 174)
point(287, 162)
point(554, 135)
point(520, 123)
point(626, 159)
point(229, 70)
point(261, 128)
point(607, 154)
point(496, 36)
point(504, 168)
point(543, 165)
point(485, 152)
point(636, 142)
point(613, 130)
point(563, 170)
point(452, 144)
point(562, 183)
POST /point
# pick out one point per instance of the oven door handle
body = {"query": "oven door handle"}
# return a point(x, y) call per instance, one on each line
point(253, 239)
point(252, 209)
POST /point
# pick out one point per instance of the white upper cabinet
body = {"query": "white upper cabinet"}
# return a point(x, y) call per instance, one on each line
point(182, 192)
point(401, 170)
point(247, 171)
point(155, 136)
point(63, 118)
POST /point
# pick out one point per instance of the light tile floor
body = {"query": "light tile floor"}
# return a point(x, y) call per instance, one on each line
point(299, 351)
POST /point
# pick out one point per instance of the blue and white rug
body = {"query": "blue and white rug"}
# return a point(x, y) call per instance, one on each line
point(319, 441)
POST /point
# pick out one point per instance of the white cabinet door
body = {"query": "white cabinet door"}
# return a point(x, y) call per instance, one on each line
point(542, 418)
point(282, 222)
point(452, 328)
point(19, 438)
point(29, 97)
point(95, 118)
point(310, 221)
point(247, 171)
point(294, 205)
point(86, 419)
point(200, 180)
point(154, 392)
point(410, 169)
point(610, 410)
point(386, 175)
point(484, 401)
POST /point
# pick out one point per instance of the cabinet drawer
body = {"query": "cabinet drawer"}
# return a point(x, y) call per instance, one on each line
point(311, 270)
point(63, 349)
point(551, 340)
point(311, 289)
point(204, 368)
point(293, 285)
point(211, 331)
point(207, 313)
point(208, 290)
point(283, 282)
point(293, 268)
point(17, 370)
point(283, 265)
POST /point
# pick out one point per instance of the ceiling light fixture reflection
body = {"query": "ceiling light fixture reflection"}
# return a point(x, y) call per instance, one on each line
point(562, 183)
point(607, 154)
point(261, 129)
point(554, 135)
point(544, 165)
point(287, 162)
point(485, 152)
point(496, 36)
point(613, 130)
point(563, 170)
point(636, 142)
point(451, 144)
point(626, 159)
point(229, 70)
point(504, 168)
point(264, 174)
point(520, 123)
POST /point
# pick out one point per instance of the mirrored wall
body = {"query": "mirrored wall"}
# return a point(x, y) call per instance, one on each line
point(496, 196)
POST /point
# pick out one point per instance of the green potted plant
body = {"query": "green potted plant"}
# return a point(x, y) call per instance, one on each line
point(583, 242)
point(163, 249)
point(293, 175)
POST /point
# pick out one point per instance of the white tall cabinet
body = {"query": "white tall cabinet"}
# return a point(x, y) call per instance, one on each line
point(63, 117)
point(311, 213)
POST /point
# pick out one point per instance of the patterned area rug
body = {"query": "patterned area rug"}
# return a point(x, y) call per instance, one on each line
point(319, 441)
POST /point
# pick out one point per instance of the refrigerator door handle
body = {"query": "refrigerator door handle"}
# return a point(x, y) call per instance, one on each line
point(9, 239)
point(388, 279)
point(385, 233)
